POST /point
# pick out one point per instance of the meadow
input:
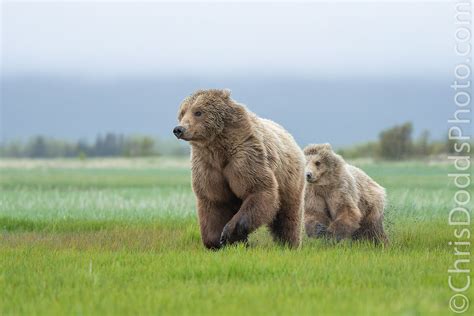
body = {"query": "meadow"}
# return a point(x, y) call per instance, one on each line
point(121, 236)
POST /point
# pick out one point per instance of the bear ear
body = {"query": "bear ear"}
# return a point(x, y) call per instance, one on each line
point(326, 146)
point(196, 93)
point(316, 148)
point(226, 92)
point(311, 149)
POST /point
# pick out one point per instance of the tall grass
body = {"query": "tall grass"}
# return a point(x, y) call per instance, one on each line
point(125, 240)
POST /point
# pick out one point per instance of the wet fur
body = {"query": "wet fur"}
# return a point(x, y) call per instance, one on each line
point(246, 171)
point(341, 201)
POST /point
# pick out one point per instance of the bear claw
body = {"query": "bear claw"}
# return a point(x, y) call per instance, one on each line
point(321, 230)
point(238, 233)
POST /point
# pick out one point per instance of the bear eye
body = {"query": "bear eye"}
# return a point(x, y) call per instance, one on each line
point(197, 113)
point(318, 163)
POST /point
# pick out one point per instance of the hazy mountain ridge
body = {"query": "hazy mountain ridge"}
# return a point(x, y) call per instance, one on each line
point(342, 111)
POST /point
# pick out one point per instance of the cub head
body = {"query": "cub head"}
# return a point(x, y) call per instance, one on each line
point(322, 164)
point(202, 115)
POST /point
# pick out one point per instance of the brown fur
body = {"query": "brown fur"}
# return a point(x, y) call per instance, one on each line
point(341, 200)
point(246, 171)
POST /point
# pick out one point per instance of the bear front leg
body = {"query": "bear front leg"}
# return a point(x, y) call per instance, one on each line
point(316, 224)
point(316, 216)
point(346, 223)
point(256, 210)
point(212, 219)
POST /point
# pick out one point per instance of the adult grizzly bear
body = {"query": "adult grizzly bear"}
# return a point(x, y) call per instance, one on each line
point(246, 171)
point(341, 200)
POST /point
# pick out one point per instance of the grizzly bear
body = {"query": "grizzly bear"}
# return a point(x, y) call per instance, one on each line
point(341, 201)
point(246, 171)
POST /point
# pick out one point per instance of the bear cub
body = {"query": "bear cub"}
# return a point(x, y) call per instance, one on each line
point(341, 201)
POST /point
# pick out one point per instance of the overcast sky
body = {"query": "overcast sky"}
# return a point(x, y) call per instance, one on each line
point(315, 39)
point(348, 69)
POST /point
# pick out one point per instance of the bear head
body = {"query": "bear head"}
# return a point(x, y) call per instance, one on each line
point(322, 164)
point(203, 115)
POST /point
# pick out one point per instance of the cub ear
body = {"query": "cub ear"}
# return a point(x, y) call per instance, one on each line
point(326, 146)
point(226, 93)
point(311, 149)
point(316, 148)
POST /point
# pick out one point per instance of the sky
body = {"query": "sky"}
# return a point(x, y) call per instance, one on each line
point(337, 71)
point(322, 38)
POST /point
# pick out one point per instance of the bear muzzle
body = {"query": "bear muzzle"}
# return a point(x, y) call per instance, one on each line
point(178, 131)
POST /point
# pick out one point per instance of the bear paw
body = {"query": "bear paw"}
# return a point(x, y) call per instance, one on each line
point(321, 230)
point(237, 232)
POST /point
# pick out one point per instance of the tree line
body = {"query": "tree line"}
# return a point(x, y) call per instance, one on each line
point(110, 145)
point(395, 143)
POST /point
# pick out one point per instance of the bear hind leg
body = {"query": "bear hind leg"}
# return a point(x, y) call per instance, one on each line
point(286, 228)
point(372, 231)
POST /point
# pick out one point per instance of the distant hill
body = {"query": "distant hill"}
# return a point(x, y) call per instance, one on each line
point(342, 112)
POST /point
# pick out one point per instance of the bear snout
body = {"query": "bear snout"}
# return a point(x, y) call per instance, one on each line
point(178, 131)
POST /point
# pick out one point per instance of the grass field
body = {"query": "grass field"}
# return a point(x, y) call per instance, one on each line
point(121, 237)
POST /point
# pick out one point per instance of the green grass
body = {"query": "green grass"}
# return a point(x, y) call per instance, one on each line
point(125, 240)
